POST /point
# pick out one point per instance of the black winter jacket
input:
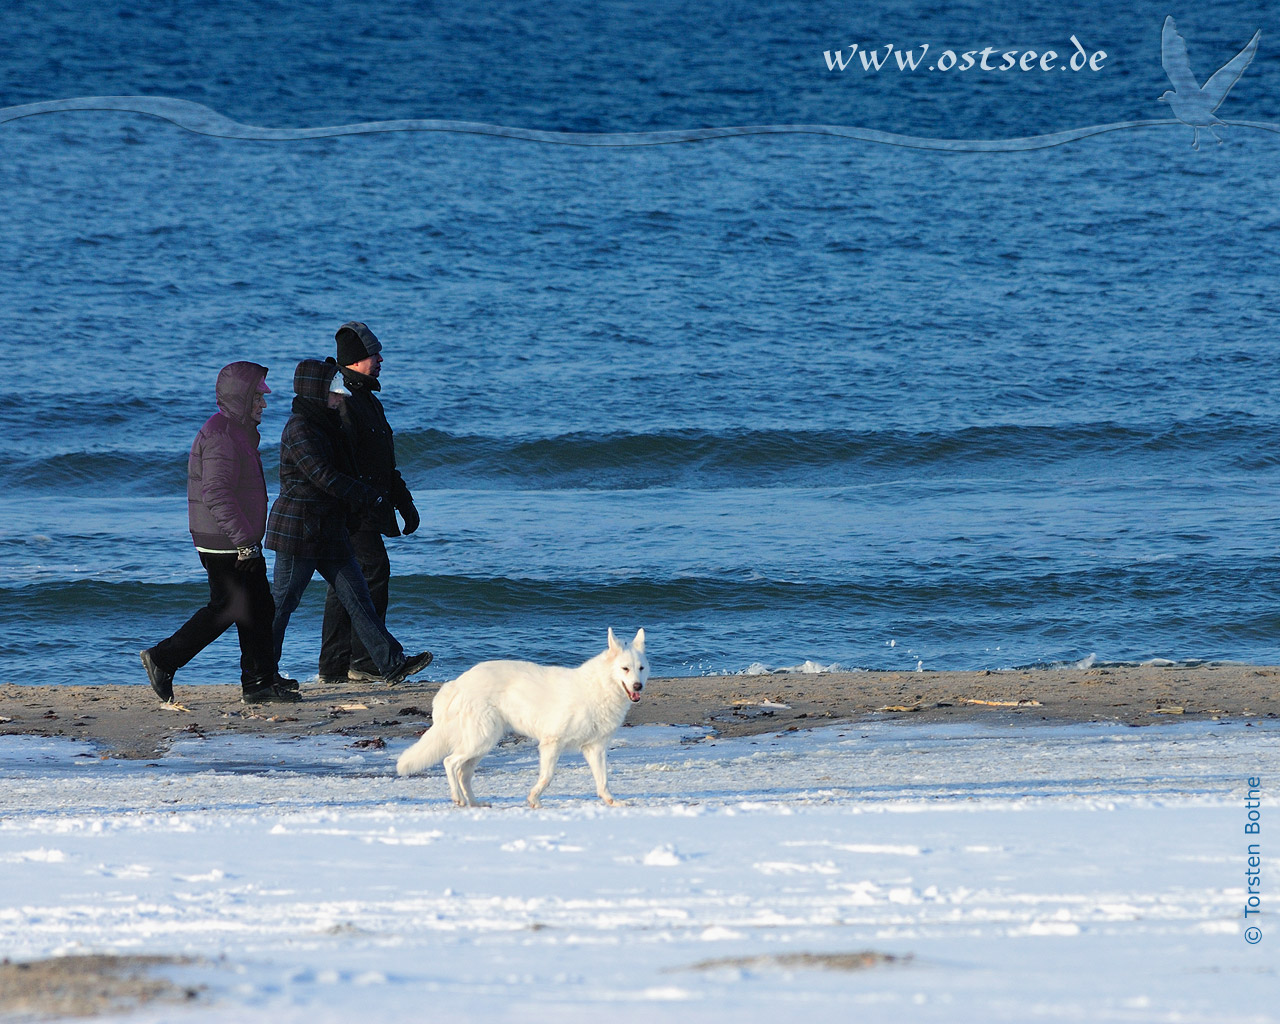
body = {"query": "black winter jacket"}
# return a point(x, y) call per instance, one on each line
point(375, 453)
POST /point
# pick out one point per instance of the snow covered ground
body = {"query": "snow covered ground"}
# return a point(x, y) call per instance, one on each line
point(1085, 873)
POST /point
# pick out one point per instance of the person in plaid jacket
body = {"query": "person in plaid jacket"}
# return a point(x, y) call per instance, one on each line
point(307, 528)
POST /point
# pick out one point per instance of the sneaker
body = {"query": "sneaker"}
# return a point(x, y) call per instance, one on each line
point(325, 680)
point(409, 667)
point(359, 675)
point(268, 693)
point(161, 681)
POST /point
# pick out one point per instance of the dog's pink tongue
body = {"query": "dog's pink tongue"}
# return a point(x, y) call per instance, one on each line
point(635, 697)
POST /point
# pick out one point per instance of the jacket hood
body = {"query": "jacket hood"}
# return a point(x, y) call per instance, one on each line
point(237, 384)
point(312, 378)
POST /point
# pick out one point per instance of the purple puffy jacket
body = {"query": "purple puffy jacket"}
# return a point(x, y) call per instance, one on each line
point(226, 491)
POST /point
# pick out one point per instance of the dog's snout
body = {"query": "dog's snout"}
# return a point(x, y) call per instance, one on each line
point(639, 686)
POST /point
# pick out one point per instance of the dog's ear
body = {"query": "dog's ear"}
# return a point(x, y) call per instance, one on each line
point(638, 643)
point(614, 646)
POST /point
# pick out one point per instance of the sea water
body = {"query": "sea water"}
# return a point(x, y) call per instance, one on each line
point(777, 398)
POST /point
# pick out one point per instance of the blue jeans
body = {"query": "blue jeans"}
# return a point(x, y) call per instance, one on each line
point(294, 572)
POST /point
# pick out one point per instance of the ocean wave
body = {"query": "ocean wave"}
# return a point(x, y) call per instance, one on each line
point(808, 667)
point(745, 458)
point(705, 459)
point(696, 625)
point(101, 472)
point(1054, 598)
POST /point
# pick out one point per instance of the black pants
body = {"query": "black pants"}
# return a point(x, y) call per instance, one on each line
point(240, 597)
point(340, 648)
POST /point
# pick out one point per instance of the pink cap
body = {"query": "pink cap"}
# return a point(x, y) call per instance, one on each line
point(262, 387)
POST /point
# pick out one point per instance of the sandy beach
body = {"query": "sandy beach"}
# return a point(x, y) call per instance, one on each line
point(127, 721)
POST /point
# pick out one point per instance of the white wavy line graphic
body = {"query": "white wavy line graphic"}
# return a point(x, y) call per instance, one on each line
point(201, 120)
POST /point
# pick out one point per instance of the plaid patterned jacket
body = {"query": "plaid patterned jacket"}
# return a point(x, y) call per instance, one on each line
point(318, 490)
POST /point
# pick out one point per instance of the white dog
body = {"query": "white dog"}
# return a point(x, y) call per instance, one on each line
point(562, 708)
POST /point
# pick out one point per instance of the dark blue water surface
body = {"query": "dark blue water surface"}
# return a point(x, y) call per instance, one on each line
point(777, 398)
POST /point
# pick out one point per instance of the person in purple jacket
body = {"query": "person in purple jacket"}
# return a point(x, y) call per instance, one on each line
point(227, 509)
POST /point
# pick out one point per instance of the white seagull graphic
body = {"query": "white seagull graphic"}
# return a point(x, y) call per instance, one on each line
point(1192, 103)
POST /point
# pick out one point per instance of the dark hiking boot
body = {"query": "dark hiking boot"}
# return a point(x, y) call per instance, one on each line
point(285, 683)
point(411, 666)
point(268, 693)
point(161, 681)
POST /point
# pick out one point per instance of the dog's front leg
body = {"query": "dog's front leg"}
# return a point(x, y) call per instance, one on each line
point(595, 755)
point(548, 755)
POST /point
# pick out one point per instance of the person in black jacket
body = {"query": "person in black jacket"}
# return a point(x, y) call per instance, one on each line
point(342, 655)
point(307, 528)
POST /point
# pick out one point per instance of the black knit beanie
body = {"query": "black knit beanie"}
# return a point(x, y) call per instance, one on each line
point(356, 342)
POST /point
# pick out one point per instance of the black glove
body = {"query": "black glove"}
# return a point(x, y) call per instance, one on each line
point(411, 517)
point(248, 557)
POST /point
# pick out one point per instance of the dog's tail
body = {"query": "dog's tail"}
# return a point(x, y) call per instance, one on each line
point(431, 748)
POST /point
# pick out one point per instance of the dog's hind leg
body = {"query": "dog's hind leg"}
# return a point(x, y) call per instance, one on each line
point(470, 745)
point(466, 770)
point(595, 755)
point(451, 766)
point(459, 769)
point(548, 755)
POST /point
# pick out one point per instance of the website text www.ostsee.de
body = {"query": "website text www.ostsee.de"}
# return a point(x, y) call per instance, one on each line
point(990, 58)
